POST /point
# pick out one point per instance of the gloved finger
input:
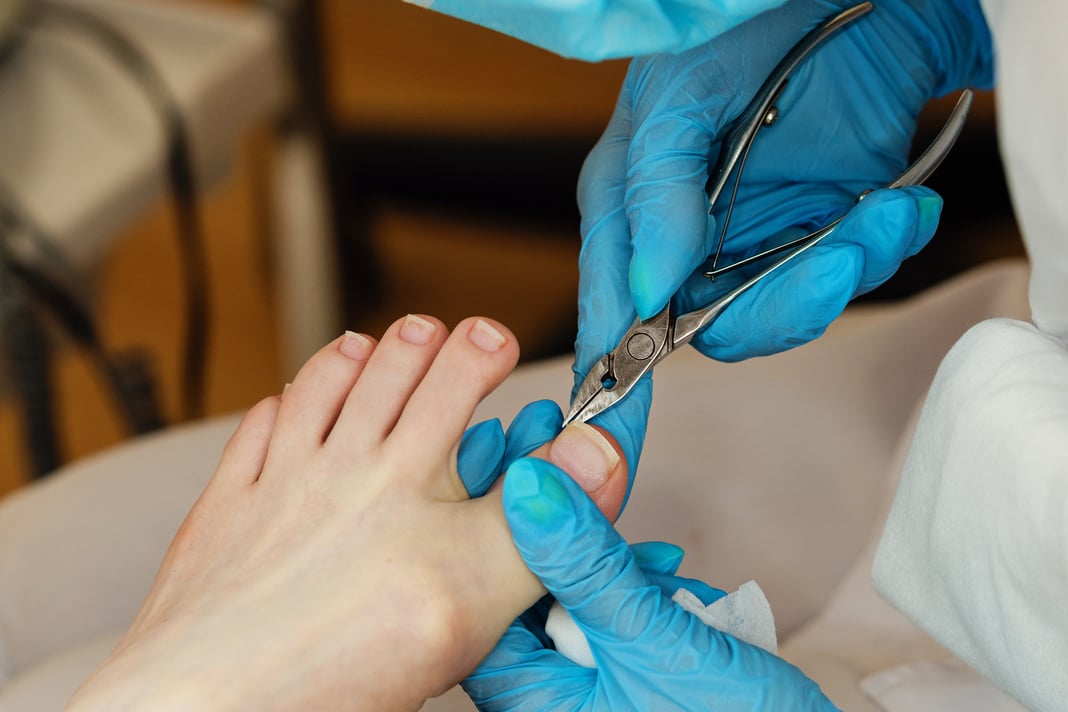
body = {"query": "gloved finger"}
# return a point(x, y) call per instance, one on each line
point(570, 546)
point(660, 560)
point(524, 640)
point(523, 668)
point(626, 421)
point(796, 304)
point(480, 455)
point(605, 310)
point(536, 424)
point(539, 680)
point(788, 308)
point(659, 557)
point(519, 645)
point(667, 207)
point(534, 618)
point(669, 585)
point(603, 177)
point(890, 225)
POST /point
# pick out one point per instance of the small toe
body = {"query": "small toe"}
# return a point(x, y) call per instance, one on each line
point(245, 453)
point(310, 405)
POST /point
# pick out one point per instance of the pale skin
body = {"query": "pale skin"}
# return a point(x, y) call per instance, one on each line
point(335, 560)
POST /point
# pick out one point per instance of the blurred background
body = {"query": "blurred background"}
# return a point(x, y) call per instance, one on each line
point(196, 194)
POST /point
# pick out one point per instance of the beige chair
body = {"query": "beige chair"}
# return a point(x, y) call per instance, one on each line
point(107, 108)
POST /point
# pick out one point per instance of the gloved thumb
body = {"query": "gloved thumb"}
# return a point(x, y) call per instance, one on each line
point(571, 547)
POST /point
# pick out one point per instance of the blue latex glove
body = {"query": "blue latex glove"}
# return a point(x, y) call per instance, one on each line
point(847, 119)
point(650, 653)
point(594, 30)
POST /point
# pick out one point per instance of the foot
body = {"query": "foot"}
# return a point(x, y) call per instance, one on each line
point(334, 560)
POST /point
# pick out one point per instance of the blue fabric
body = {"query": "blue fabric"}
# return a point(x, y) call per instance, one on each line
point(594, 30)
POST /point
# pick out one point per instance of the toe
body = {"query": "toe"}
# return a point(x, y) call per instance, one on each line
point(246, 450)
point(311, 404)
point(393, 372)
point(477, 357)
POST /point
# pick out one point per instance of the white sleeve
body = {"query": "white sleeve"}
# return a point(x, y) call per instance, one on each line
point(975, 550)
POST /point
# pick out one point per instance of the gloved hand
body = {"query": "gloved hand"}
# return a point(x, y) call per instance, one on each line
point(847, 119)
point(594, 30)
point(650, 653)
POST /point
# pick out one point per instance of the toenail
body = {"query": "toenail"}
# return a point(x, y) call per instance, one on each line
point(416, 330)
point(285, 388)
point(355, 346)
point(584, 453)
point(486, 337)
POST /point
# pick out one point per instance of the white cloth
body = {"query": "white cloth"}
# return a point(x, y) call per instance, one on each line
point(745, 614)
point(976, 547)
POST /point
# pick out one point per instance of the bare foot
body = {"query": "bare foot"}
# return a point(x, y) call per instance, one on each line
point(334, 560)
